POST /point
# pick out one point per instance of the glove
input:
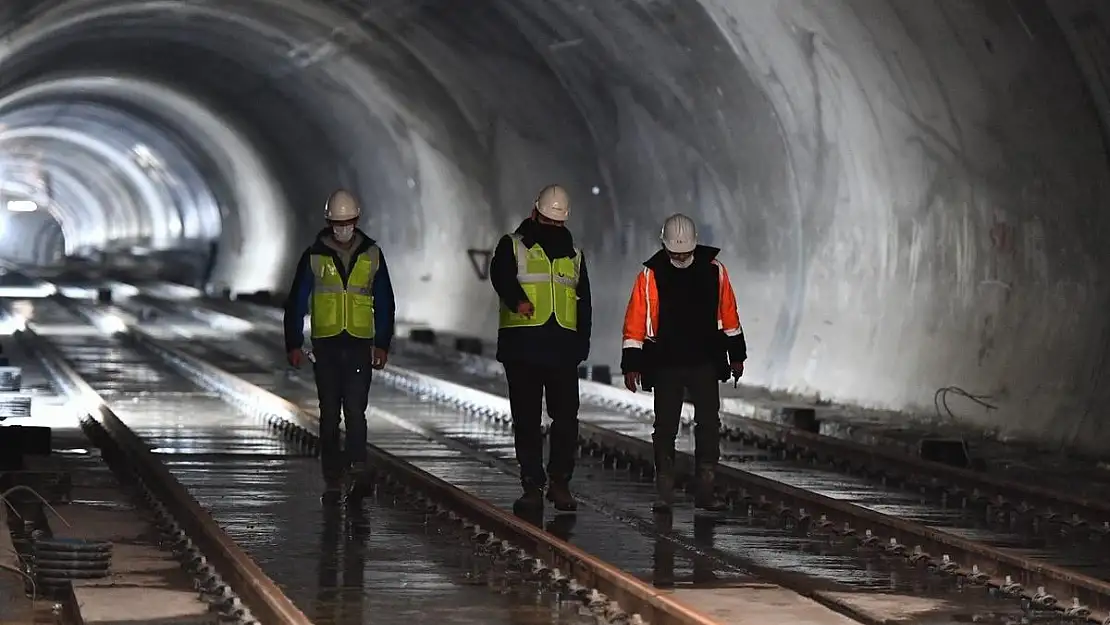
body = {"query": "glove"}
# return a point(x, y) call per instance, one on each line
point(525, 308)
point(294, 357)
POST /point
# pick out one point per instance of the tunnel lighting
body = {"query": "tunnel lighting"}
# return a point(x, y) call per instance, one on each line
point(22, 206)
point(77, 292)
point(596, 190)
point(12, 323)
point(44, 289)
point(123, 290)
point(145, 158)
point(110, 324)
point(222, 322)
point(168, 290)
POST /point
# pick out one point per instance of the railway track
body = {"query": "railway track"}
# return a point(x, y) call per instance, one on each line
point(953, 546)
point(794, 508)
point(1046, 503)
point(221, 464)
point(954, 543)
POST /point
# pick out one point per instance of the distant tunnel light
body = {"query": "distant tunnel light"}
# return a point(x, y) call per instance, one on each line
point(123, 290)
point(22, 206)
point(43, 289)
point(77, 292)
point(169, 290)
point(108, 323)
point(11, 323)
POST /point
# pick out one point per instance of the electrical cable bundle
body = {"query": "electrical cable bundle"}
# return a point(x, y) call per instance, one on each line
point(56, 562)
point(11, 379)
point(15, 407)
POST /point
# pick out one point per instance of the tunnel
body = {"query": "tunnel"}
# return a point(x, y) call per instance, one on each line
point(908, 194)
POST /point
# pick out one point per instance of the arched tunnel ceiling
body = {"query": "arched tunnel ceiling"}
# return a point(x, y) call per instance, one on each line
point(909, 194)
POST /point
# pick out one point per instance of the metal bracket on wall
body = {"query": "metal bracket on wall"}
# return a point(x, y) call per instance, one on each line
point(480, 261)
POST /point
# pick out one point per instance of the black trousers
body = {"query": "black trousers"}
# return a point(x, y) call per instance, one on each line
point(343, 376)
point(528, 383)
point(671, 385)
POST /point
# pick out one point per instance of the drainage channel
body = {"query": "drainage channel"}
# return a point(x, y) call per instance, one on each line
point(405, 553)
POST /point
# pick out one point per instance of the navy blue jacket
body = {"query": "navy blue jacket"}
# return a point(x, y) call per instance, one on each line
point(296, 306)
point(549, 344)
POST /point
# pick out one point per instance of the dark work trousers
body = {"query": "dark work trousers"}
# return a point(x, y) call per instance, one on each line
point(527, 385)
point(343, 375)
point(671, 384)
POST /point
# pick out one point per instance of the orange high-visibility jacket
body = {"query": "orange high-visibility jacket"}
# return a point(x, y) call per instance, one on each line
point(641, 318)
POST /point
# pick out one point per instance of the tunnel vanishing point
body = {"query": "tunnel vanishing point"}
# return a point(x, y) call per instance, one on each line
point(909, 194)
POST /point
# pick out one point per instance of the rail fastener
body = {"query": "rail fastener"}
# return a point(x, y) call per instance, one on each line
point(1043, 584)
point(1046, 503)
point(641, 603)
point(217, 556)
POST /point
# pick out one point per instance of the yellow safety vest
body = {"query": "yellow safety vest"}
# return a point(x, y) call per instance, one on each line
point(552, 287)
point(336, 308)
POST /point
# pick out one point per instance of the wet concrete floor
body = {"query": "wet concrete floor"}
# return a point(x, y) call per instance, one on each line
point(756, 545)
point(1063, 550)
point(384, 563)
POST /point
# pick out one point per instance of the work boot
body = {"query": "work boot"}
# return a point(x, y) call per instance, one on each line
point(531, 499)
point(559, 494)
point(333, 492)
point(664, 482)
point(357, 482)
point(705, 496)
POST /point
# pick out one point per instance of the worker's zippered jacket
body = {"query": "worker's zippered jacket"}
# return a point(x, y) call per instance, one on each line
point(645, 319)
point(549, 344)
point(300, 293)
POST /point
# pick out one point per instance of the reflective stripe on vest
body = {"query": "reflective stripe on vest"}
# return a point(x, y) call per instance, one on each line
point(552, 287)
point(336, 308)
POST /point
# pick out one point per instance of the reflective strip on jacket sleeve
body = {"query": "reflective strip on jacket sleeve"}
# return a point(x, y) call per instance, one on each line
point(642, 315)
point(727, 317)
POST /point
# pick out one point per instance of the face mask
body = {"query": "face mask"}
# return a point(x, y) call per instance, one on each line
point(343, 233)
point(682, 264)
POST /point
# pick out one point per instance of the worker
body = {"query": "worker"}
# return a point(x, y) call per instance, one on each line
point(682, 334)
point(343, 281)
point(545, 322)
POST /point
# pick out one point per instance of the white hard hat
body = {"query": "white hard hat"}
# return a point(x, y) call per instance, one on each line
point(341, 206)
point(553, 203)
point(679, 234)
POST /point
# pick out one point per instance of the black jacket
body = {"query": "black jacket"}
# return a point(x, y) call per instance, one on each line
point(687, 333)
point(296, 305)
point(549, 344)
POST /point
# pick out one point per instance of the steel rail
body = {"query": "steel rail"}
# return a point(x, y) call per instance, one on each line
point(635, 597)
point(1047, 504)
point(1044, 584)
point(856, 457)
point(258, 592)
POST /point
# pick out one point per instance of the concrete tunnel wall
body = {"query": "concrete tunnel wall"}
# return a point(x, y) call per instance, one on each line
point(909, 193)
